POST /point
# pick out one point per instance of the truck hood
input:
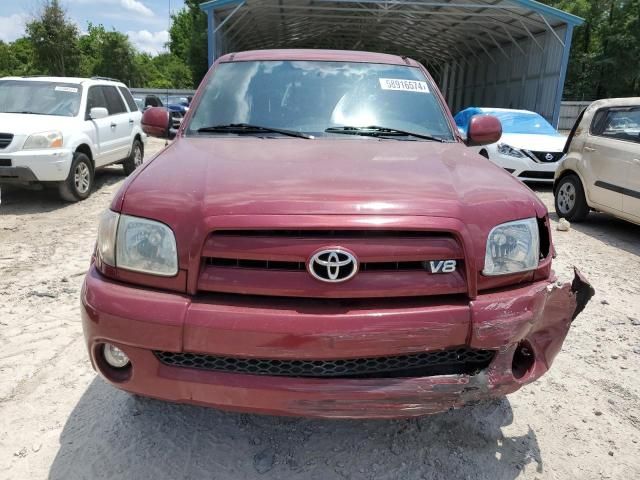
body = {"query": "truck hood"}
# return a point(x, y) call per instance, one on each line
point(352, 176)
point(21, 124)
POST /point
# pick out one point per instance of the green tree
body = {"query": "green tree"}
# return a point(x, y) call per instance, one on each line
point(90, 49)
point(108, 54)
point(55, 40)
point(174, 73)
point(17, 58)
point(115, 57)
point(188, 39)
point(604, 57)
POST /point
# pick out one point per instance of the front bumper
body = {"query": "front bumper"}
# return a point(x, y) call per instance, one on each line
point(526, 169)
point(141, 321)
point(17, 175)
point(29, 166)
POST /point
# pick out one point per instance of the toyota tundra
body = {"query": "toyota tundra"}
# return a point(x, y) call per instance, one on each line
point(319, 241)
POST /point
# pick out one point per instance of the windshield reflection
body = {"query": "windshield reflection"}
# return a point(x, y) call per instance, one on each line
point(311, 96)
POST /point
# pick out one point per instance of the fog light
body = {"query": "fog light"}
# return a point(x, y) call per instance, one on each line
point(114, 356)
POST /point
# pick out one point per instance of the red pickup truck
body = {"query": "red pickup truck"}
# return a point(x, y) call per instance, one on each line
point(319, 241)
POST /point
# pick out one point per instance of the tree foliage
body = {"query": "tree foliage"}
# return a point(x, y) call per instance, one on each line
point(54, 46)
point(17, 58)
point(55, 40)
point(604, 57)
point(188, 38)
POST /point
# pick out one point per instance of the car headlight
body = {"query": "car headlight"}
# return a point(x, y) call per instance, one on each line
point(43, 140)
point(508, 150)
point(512, 247)
point(137, 244)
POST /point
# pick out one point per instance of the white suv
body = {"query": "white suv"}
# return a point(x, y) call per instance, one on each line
point(57, 131)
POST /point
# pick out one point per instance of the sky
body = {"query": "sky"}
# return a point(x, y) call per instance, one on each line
point(145, 21)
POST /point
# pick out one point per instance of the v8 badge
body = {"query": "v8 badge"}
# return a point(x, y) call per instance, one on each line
point(441, 266)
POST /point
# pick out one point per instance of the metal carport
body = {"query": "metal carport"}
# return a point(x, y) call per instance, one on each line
point(497, 53)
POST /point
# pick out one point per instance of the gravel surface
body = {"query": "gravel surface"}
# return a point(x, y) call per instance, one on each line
point(59, 421)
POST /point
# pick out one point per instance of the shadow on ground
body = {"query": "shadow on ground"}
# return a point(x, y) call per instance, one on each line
point(113, 435)
point(22, 201)
point(601, 226)
point(609, 230)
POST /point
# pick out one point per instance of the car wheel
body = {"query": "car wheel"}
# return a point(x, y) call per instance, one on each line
point(79, 182)
point(570, 200)
point(135, 159)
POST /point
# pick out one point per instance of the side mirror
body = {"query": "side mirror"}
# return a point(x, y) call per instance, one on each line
point(97, 113)
point(157, 122)
point(483, 130)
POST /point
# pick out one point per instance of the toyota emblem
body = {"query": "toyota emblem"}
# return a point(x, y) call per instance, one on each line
point(548, 157)
point(333, 265)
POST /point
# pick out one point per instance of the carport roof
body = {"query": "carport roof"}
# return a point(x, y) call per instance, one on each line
point(428, 30)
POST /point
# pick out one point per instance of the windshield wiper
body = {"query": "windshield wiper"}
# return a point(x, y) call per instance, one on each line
point(375, 131)
point(241, 128)
point(27, 112)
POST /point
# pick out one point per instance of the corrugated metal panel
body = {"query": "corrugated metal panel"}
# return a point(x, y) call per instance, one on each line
point(569, 113)
point(508, 78)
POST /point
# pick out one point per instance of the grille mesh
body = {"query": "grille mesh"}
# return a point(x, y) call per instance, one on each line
point(301, 266)
point(444, 362)
point(5, 139)
point(541, 156)
point(538, 175)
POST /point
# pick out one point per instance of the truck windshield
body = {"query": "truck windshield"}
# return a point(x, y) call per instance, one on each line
point(40, 98)
point(316, 97)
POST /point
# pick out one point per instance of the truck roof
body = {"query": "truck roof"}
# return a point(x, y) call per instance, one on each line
point(318, 55)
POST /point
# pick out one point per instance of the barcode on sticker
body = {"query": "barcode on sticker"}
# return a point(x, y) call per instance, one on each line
point(403, 85)
point(66, 89)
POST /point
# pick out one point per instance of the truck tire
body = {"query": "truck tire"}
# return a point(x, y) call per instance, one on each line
point(135, 159)
point(79, 182)
point(570, 201)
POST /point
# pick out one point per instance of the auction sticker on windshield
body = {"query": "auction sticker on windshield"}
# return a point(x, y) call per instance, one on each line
point(66, 89)
point(403, 85)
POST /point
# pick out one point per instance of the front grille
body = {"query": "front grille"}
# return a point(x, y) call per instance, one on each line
point(538, 175)
point(392, 263)
point(542, 156)
point(460, 361)
point(5, 140)
point(5, 162)
point(301, 266)
point(331, 234)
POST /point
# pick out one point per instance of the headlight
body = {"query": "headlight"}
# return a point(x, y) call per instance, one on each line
point(512, 247)
point(508, 150)
point(43, 140)
point(137, 244)
point(146, 246)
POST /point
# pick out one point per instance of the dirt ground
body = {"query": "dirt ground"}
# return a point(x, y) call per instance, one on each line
point(58, 420)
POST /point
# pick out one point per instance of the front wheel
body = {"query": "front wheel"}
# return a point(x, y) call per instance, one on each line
point(135, 159)
point(570, 200)
point(79, 182)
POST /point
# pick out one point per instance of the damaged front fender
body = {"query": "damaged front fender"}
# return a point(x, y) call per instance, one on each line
point(537, 316)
